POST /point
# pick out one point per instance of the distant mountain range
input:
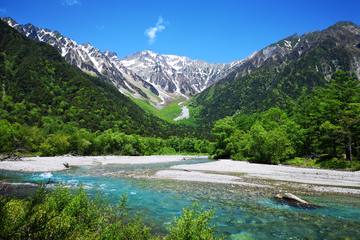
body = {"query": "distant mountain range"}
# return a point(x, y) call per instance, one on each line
point(282, 72)
point(273, 76)
point(175, 75)
point(39, 88)
point(148, 75)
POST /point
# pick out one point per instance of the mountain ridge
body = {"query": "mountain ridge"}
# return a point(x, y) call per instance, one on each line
point(38, 86)
point(183, 75)
point(246, 85)
point(167, 78)
point(281, 72)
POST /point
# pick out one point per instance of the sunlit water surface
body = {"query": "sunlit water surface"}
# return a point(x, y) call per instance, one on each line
point(240, 213)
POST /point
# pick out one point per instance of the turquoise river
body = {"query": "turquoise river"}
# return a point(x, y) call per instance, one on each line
point(240, 213)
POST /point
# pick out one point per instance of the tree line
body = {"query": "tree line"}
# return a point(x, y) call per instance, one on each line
point(323, 125)
point(57, 138)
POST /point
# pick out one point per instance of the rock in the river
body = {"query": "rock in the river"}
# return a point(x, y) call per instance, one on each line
point(293, 200)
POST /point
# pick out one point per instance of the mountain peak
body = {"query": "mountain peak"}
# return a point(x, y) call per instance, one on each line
point(149, 53)
point(110, 54)
point(345, 23)
point(10, 21)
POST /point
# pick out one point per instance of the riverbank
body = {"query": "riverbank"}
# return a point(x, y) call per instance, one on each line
point(237, 173)
point(48, 164)
point(320, 180)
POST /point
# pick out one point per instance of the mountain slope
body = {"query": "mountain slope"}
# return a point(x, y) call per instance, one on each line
point(91, 60)
point(281, 72)
point(176, 75)
point(158, 79)
point(36, 82)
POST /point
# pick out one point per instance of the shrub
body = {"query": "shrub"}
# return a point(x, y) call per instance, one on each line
point(62, 214)
point(193, 224)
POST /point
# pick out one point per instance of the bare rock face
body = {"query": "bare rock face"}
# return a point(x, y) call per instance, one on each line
point(176, 74)
point(151, 76)
point(91, 60)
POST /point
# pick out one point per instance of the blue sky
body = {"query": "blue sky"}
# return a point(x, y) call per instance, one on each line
point(215, 31)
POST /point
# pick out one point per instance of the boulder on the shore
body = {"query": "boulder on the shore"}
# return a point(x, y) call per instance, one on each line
point(293, 200)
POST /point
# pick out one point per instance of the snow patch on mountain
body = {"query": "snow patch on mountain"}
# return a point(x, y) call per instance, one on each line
point(146, 74)
point(176, 74)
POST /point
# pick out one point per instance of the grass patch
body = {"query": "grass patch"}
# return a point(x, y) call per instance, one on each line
point(302, 162)
point(333, 163)
point(168, 112)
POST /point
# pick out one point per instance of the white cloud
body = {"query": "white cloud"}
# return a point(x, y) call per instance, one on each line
point(3, 10)
point(151, 32)
point(71, 2)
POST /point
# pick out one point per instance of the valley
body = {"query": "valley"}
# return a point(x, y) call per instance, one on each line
point(185, 112)
point(153, 145)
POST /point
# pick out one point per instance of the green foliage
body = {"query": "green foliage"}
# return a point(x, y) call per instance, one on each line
point(302, 162)
point(325, 122)
point(62, 214)
point(193, 224)
point(13, 216)
point(49, 107)
point(330, 163)
point(168, 112)
point(338, 163)
point(280, 80)
point(269, 137)
point(38, 88)
point(57, 138)
point(166, 150)
point(267, 146)
point(55, 144)
point(330, 117)
point(7, 136)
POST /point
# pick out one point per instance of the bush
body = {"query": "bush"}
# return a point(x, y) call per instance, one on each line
point(7, 136)
point(61, 214)
point(267, 137)
point(55, 144)
point(337, 163)
point(166, 150)
point(302, 162)
point(192, 225)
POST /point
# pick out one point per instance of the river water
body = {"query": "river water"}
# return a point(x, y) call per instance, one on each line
point(239, 212)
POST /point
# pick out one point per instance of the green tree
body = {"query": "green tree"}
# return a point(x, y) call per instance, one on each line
point(331, 117)
point(55, 144)
point(267, 137)
point(7, 136)
point(222, 131)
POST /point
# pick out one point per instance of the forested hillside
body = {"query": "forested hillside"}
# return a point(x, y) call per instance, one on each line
point(279, 74)
point(50, 107)
point(36, 82)
point(322, 128)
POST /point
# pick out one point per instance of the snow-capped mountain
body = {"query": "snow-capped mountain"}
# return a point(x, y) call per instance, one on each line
point(148, 75)
point(176, 74)
point(91, 60)
point(281, 71)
